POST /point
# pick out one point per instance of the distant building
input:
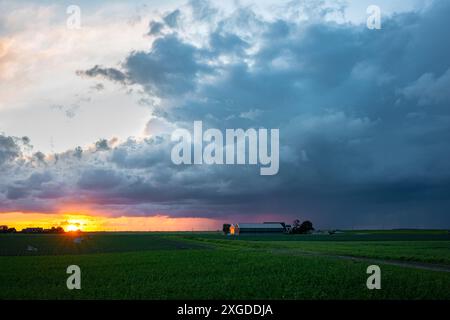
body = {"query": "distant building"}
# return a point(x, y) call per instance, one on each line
point(33, 230)
point(244, 228)
point(276, 222)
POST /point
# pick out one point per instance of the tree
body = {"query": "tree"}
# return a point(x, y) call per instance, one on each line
point(226, 228)
point(295, 226)
point(302, 228)
point(306, 227)
point(59, 230)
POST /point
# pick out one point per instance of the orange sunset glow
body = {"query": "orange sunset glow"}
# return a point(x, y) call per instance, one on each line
point(92, 223)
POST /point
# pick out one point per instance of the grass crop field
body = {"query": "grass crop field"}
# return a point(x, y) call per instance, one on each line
point(213, 266)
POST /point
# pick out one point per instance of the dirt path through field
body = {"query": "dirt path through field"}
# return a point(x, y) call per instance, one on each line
point(407, 264)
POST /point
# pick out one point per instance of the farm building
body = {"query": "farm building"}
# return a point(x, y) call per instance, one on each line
point(240, 228)
point(275, 222)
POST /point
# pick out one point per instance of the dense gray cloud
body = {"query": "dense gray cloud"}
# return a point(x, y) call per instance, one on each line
point(171, 19)
point(109, 73)
point(9, 150)
point(155, 28)
point(170, 68)
point(22, 188)
point(429, 90)
point(101, 145)
point(363, 114)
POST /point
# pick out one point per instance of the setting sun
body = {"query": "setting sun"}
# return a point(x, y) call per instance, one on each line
point(76, 223)
point(72, 227)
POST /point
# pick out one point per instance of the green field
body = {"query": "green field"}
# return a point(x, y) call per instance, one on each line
point(213, 266)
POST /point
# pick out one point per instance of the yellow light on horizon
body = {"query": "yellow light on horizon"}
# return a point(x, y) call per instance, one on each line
point(91, 222)
point(72, 227)
point(74, 223)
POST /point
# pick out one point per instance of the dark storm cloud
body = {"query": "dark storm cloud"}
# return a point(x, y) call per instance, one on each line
point(170, 68)
point(363, 114)
point(429, 90)
point(23, 188)
point(98, 179)
point(145, 154)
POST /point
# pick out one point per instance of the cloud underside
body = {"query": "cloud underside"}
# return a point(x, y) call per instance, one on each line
point(364, 119)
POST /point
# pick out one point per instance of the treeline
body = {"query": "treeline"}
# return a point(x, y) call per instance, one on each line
point(52, 230)
point(5, 229)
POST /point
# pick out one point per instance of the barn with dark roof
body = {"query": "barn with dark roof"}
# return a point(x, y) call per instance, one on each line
point(244, 228)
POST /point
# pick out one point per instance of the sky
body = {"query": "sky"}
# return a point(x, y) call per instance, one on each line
point(86, 114)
